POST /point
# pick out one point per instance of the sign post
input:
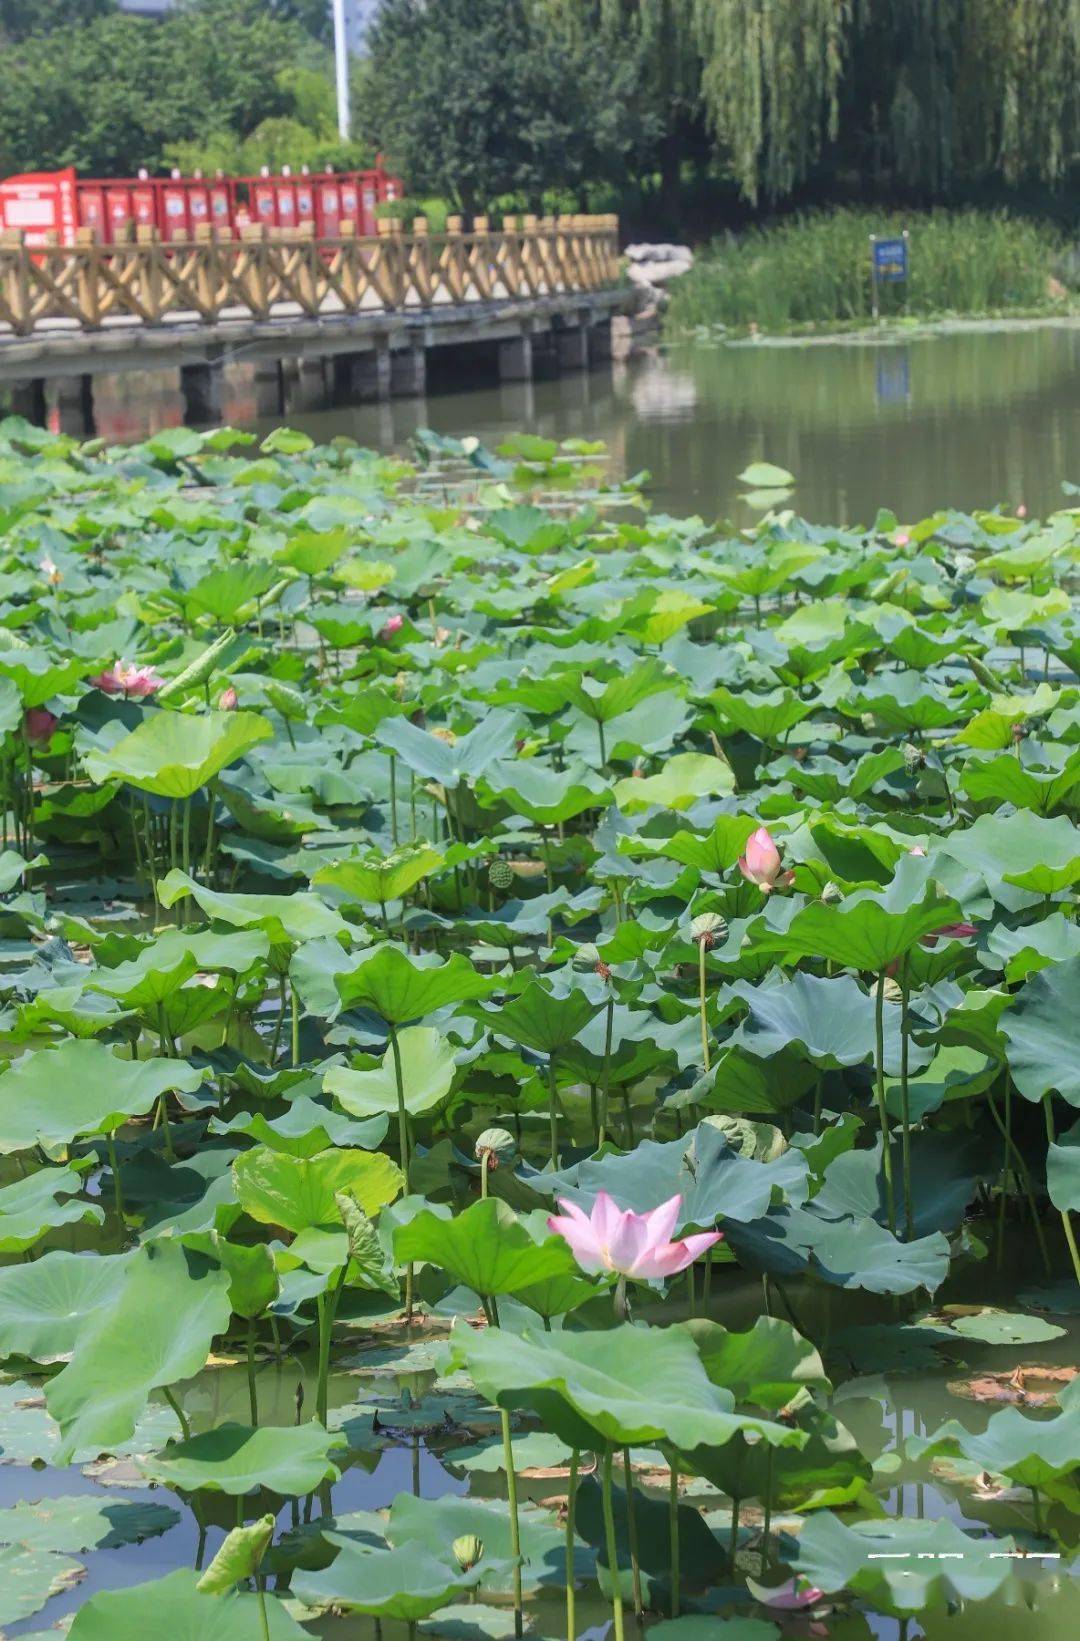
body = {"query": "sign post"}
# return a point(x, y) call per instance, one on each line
point(889, 265)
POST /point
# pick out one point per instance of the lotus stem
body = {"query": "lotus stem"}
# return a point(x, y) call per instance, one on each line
point(605, 1075)
point(1066, 1217)
point(1002, 1201)
point(631, 1523)
point(264, 1620)
point(909, 1217)
point(553, 1112)
point(283, 1003)
point(673, 1536)
point(612, 1547)
point(185, 1428)
point(1025, 1176)
point(485, 1157)
point(208, 852)
point(321, 1393)
point(295, 1007)
point(701, 1005)
point(571, 1518)
point(114, 1164)
point(393, 801)
point(603, 745)
point(253, 1401)
point(403, 1123)
point(515, 1528)
point(886, 1153)
point(766, 1525)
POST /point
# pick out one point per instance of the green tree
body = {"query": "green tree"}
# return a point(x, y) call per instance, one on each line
point(21, 19)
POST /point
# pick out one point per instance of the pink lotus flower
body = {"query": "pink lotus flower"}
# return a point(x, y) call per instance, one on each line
point(626, 1243)
point(40, 723)
point(1021, 511)
point(950, 931)
point(761, 863)
point(394, 624)
point(228, 700)
point(901, 539)
point(126, 678)
point(50, 572)
point(917, 849)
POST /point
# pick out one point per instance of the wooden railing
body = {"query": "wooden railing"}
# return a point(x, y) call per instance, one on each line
point(272, 273)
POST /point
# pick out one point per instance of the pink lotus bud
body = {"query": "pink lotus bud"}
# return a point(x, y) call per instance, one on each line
point(228, 700)
point(1021, 511)
point(40, 723)
point(394, 623)
point(761, 863)
point(901, 539)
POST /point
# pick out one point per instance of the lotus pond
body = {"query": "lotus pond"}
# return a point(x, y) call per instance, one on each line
point(541, 1054)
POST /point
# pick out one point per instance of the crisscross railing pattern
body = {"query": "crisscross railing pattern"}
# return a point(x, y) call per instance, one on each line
point(268, 273)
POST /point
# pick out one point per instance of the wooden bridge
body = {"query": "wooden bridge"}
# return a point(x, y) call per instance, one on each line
point(374, 306)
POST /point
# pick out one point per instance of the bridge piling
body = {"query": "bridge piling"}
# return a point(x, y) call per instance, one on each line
point(408, 371)
point(516, 358)
point(201, 385)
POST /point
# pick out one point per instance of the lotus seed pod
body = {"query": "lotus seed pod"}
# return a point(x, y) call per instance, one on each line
point(467, 1551)
point(913, 758)
point(586, 957)
point(499, 874)
point(499, 1145)
point(709, 927)
point(892, 991)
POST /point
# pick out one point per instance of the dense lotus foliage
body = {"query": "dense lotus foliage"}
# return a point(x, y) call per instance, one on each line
point(585, 1003)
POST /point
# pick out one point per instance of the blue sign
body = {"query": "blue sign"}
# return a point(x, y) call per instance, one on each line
point(890, 259)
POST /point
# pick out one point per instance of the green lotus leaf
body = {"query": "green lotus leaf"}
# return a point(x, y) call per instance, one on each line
point(173, 1606)
point(82, 1523)
point(380, 877)
point(432, 1524)
point(306, 1128)
point(831, 1021)
point(486, 1248)
point(173, 754)
point(1005, 780)
point(829, 1469)
point(1039, 855)
point(992, 1326)
point(871, 929)
point(547, 796)
point(715, 851)
point(769, 718)
point(629, 1385)
point(1031, 1452)
point(540, 1020)
point(254, 1283)
point(401, 988)
point(239, 1557)
point(44, 1305)
point(683, 779)
point(236, 1459)
point(465, 759)
point(32, 1206)
point(52, 1095)
point(39, 676)
point(285, 919)
point(297, 1193)
point(1062, 1171)
point(620, 693)
point(225, 593)
point(407, 1583)
point(768, 1365)
point(28, 1577)
point(904, 701)
point(159, 1326)
point(766, 476)
point(704, 1627)
point(903, 1566)
point(1041, 1028)
point(427, 1070)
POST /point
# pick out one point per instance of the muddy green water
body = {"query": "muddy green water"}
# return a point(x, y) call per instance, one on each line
point(962, 420)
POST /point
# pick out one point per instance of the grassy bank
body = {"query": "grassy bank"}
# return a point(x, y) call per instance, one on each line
point(814, 271)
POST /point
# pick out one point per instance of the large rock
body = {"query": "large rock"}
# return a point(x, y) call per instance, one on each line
point(652, 267)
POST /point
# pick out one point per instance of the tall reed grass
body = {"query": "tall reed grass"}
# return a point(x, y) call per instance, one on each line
point(815, 269)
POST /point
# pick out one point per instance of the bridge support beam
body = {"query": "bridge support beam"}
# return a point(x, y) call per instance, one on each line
point(573, 348)
point(305, 384)
point(364, 378)
point(269, 400)
point(201, 386)
point(408, 372)
point(598, 337)
point(516, 358)
point(70, 401)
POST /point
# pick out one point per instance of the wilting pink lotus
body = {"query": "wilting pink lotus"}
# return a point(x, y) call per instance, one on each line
point(950, 931)
point(228, 700)
point(126, 678)
point(761, 863)
point(40, 723)
point(393, 624)
point(50, 572)
point(629, 1244)
point(791, 1596)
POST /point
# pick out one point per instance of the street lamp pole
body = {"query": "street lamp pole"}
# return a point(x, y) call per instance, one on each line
point(341, 71)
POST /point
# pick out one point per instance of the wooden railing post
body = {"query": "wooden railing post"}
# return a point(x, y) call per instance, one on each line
point(88, 296)
point(15, 260)
point(149, 271)
point(203, 269)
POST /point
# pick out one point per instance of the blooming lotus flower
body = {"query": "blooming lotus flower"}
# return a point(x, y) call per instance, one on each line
point(901, 539)
point(125, 678)
point(625, 1243)
point(791, 1596)
point(1021, 511)
point(393, 624)
point(39, 723)
point(50, 572)
point(761, 863)
point(228, 700)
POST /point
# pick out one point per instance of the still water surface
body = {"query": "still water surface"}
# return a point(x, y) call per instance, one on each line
point(964, 420)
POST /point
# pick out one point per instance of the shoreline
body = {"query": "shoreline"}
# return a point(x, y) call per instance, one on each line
point(888, 333)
